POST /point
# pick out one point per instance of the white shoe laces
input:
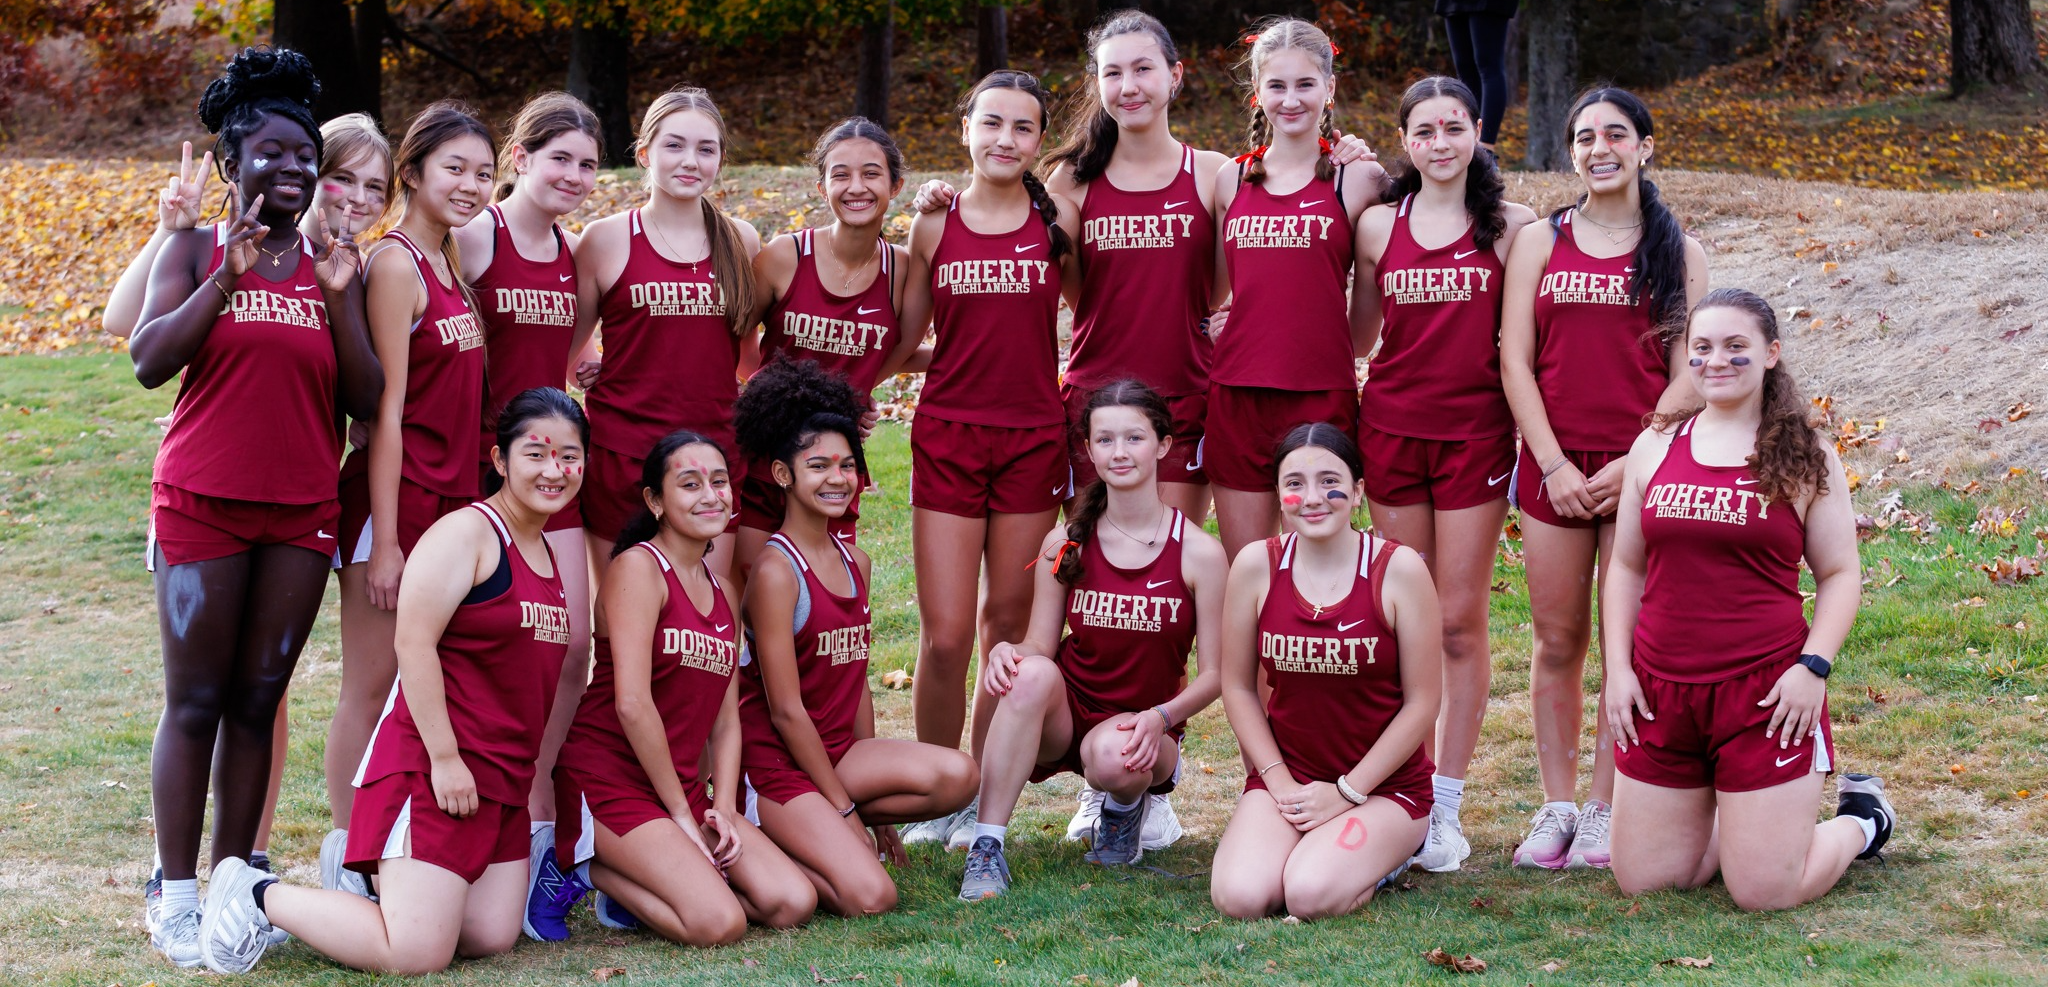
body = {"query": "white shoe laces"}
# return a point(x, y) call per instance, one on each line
point(1548, 824)
point(1593, 824)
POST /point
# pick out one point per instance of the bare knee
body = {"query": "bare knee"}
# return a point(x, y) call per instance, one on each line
point(1309, 899)
point(487, 943)
point(948, 644)
point(792, 907)
point(419, 960)
point(959, 778)
point(867, 894)
point(1036, 682)
point(1240, 901)
point(196, 711)
point(1102, 755)
point(1756, 896)
point(708, 923)
point(1465, 640)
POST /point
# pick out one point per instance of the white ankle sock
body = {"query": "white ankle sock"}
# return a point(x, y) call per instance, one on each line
point(1110, 804)
point(1000, 833)
point(582, 873)
point(179, 894)
point(1869, 827)
point(535, 826)
point(1568, 808)
point(1450, 792)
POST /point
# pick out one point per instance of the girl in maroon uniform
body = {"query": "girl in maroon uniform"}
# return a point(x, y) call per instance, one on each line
point(1136, 583)
point(831, 295)
point(520, 267)
point(817, 775)
point(672, 284)
point(1344, 625)
point(1590, 343)
point(263, 326)
point(421, 461)
point(483, 625)
point(1286, 215)
point(988, 450)
point(1433, 420)
point(1720, 718)
point(636, 823)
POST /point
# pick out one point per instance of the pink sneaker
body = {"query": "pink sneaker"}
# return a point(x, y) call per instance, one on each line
point(1589, 844)
point(1550, 839)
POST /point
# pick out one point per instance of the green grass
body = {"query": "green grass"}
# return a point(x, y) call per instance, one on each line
point(1928, 682)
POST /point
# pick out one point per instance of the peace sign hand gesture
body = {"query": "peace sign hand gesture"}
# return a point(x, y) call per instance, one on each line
point(177, 205)
point(239, 254)
point(336, 260)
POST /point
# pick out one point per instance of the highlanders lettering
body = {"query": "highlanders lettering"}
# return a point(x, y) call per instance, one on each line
point(1694, 502)
point(1278, 232)
point(1317, 655)
point(1130, 232)
point(676, 298)
point(550, 624)
point(842, 337)
point(269, 306)
point(1585, 288)
point(696, 649)
point(1423, 285)
point(991, 277)
point(1123, 611)
point(465, 331)
point(534, 307)
point(844, 645)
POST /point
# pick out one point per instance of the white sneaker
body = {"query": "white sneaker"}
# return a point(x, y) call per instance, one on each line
point(1162, 826)
point(233, 933)
point(1549, 840)
point(176, 934)
point(1590, 843)
point(928, 831)
point(1082, 826)
point(962, 835)
point(153, 902)
point(334, 875)
point(1446, 848)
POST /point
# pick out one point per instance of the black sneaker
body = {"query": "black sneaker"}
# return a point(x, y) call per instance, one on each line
point(1119, 835)
point(1862, 796)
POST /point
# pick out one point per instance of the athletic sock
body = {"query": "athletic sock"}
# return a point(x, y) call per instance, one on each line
point(582, 873)
point(1110, 804)
point(1568, 808)
point(179, 894)
point(1450, 792)
point(257, 893)
point(999, 833)
point(259, 859)
point(535, 826)
point(1867, 824)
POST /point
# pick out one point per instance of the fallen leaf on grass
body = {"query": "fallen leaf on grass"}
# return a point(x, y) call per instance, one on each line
point(1989, 425)
point(1690, 961)
point(896, 679)
point(604, 973)
point(1272, 966)
point(1478, 902)
point(2011, 334)
point(1634, 908)
point(1551, 967)
point(1463, 964)
point(750, 962)
point(2018, 410)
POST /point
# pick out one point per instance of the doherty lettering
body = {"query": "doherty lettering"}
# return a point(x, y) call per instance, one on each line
point(676, 298)
point(550, 623)
point(1315, 654)
point(269, 306)
point(464, 332)
point(698, 650)
point(1427, 285)
point(1697, 502)
point(1585, 288)
point(1136, 232)
point(1122, 611)
point(991, 277)
point(844, 645)
point(841, 337)
point(535, 307)
point(1278, 232)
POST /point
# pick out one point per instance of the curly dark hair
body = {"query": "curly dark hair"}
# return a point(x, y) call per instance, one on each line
point(789, 403)
point(258, 82)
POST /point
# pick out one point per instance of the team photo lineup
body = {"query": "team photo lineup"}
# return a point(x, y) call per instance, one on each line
point(613, 648)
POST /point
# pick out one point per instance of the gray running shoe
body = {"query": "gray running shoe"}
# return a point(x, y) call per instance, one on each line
point(963, 826)
point(988, 871)
point(176, 935)
point(334, 874)
point(234, 932)
point(1119, 835)
point(1446, 848)
point(1081, 828)
point(1162, 824)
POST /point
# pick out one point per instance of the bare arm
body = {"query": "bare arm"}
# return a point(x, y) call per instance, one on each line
point(1375, 226)
point(1410, 599)
point(633, 593)
point(1250, 580)
point(1224, 192)
point(1202, 568)
point(1831, 554)
point(396, 298)
point(455, 555)
point(771, 612)
point(1621, 598)
point(177, 209)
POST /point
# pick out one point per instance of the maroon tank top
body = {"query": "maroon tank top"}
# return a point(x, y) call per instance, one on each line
point(1708, 535)
point(1335, 672)
point(256, 417)
point(670, 357)
point(693, 659)
point(444, 386)
point(1289, 259)
point(1148, 260)
point(529, 314)
point(500, 660)
point(995, 311)
point(1599, 365)
point(1129, 631)
point(831, 663)
point(850, 334)
point(1437, 373)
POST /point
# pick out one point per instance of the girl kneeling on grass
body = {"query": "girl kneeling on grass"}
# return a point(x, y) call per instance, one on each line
point(1107, 702)
point(440, 814)
point(817, 775)
point(1347, 631)
point(1712, 717)
point(634, 820)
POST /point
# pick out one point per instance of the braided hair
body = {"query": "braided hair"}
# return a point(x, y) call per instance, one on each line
point(258, 82)
point(789, 403)
point(1041, 200)
point(1094, 498)
point(1279, 34)
point(1660, 251)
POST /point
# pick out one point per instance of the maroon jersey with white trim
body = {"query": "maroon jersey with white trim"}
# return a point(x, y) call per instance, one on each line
point(1289, 260)
point(256, 417)
point(995, 311)
point(529, 313)
point(1335, 672)
point(670, 357)
point(444, 385)
point(850, 334)
point(831, 665)
point(1129, 631)
point(1599, 365)
point(1708, 534)
point(1148, 260)
point(500, 660)
point(1437, 372)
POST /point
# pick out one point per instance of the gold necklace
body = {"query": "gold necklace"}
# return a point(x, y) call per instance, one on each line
point(1156, 525)
point(847, 285)
point(671, 247)
point(277, 259)
point(1614, 234)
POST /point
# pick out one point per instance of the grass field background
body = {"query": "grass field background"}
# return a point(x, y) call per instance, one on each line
point(1937, 691)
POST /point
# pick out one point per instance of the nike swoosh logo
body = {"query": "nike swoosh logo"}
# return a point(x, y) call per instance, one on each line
point(721, 628)
point(1462, 256)
point(1056, 491)
point(1628, 270)
point(1152, 585)
point(1341, 628)
point(1496, 480)
point(317, 533)
point(868, 311)
point(1788, 760)
point(1176, 205)
point(1305, 205)
point(566, 277)
point(1020, 248)
point(863, 608)
point(302, 287)
point(1743, 481)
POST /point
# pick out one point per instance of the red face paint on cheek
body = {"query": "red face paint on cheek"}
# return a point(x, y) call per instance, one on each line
point(1291, 500)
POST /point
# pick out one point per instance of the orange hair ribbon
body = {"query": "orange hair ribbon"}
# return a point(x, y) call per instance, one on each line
point(1057, 556)
point(1255, 154)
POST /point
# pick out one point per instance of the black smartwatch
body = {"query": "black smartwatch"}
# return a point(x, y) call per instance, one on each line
point(1817, 665)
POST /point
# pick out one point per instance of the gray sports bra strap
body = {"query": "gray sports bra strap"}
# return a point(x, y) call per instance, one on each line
point(803, 586)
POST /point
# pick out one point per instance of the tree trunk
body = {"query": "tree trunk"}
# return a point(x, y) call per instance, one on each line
point(371, 19)
point(1553, 53)
point(992, 38)
point(1991, 43)
point(871, 83)
point(320, 30)
point(598, 53)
